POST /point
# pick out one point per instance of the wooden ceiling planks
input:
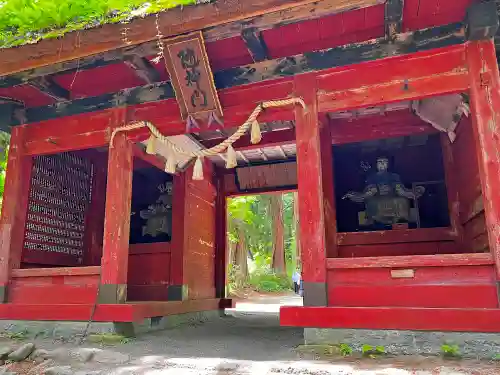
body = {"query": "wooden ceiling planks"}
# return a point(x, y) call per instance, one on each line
point(173, 22)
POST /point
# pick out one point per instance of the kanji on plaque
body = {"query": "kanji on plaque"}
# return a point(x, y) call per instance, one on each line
point(187, 63)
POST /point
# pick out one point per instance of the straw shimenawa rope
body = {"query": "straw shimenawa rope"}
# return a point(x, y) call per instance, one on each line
point(251, 122)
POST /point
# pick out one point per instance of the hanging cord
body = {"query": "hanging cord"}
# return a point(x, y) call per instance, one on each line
point(221, 147)
point(94, 308)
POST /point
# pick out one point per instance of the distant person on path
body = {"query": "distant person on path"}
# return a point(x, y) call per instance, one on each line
point(296, 281)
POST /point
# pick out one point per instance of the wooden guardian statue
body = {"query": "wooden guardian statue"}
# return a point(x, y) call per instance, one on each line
point(386, 199)
point(158, 216)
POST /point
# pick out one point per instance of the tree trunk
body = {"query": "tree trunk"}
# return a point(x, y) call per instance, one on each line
point(241, 259)
point(296, 223)
point(276, 209)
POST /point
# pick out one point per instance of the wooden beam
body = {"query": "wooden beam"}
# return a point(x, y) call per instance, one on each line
point(211, 34)
point(485, 101)
point(50, 88)
point(143, 68)
point(275, 138)
point(396, 236)
point(90, 130)
point(130, 312)
point(375, 49)
point(400, 318)
point(393, 18)
point(117, 222)
point(419, 75)
point(408, 261)
point(173, 22)
point(392, 124)
point(255, 44)
point(93, 129)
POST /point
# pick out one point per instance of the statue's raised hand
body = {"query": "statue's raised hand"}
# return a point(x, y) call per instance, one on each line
point(419, 191)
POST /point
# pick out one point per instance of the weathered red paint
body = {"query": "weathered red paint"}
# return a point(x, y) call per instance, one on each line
point(396, 236)
point(412, 261)
point(221, 255)
point(310, 188)
point(68, 285)
point(15, 205)
point(401, 318)
point(127, 312)
point(389, 125)
point(149, 272)
point(395, 79)
point(199, 236)
point(485, 101)
point(178, 227)
point(117, 218)
point(428, 286)
point(398, 249)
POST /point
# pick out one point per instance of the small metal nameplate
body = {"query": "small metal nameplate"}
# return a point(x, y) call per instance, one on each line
point(403, 274)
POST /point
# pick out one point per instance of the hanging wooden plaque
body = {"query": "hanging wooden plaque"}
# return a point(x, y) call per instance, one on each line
point(192, 79)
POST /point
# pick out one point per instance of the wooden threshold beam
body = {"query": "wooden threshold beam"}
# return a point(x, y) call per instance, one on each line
point(401, 318)
point(374, 49)
point(176, 21)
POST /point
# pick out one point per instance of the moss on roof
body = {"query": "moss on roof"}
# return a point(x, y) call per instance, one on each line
point(28, 21)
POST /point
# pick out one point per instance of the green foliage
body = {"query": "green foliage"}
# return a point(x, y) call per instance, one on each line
point(450, 351)
point(267, 281)
point(345, 350)
point(373, 352)
point(15, 335)
point(24, 21)
point(496, 357)
point(250, 215)
point(249, 221)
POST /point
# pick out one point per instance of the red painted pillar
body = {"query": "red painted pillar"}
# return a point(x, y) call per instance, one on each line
point(117, 222)
point(315, 192)
point(485, 107)
point(220, 237)
point(14, 208)
point(177, 290)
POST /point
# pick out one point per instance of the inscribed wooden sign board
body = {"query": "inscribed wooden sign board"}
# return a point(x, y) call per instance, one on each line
point(268, 176)
point(192, 79)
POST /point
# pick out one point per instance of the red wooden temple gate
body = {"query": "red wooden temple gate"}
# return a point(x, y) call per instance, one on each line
point(68, 215)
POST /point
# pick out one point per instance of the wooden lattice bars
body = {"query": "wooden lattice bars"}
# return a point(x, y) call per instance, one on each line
point(60, 194)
